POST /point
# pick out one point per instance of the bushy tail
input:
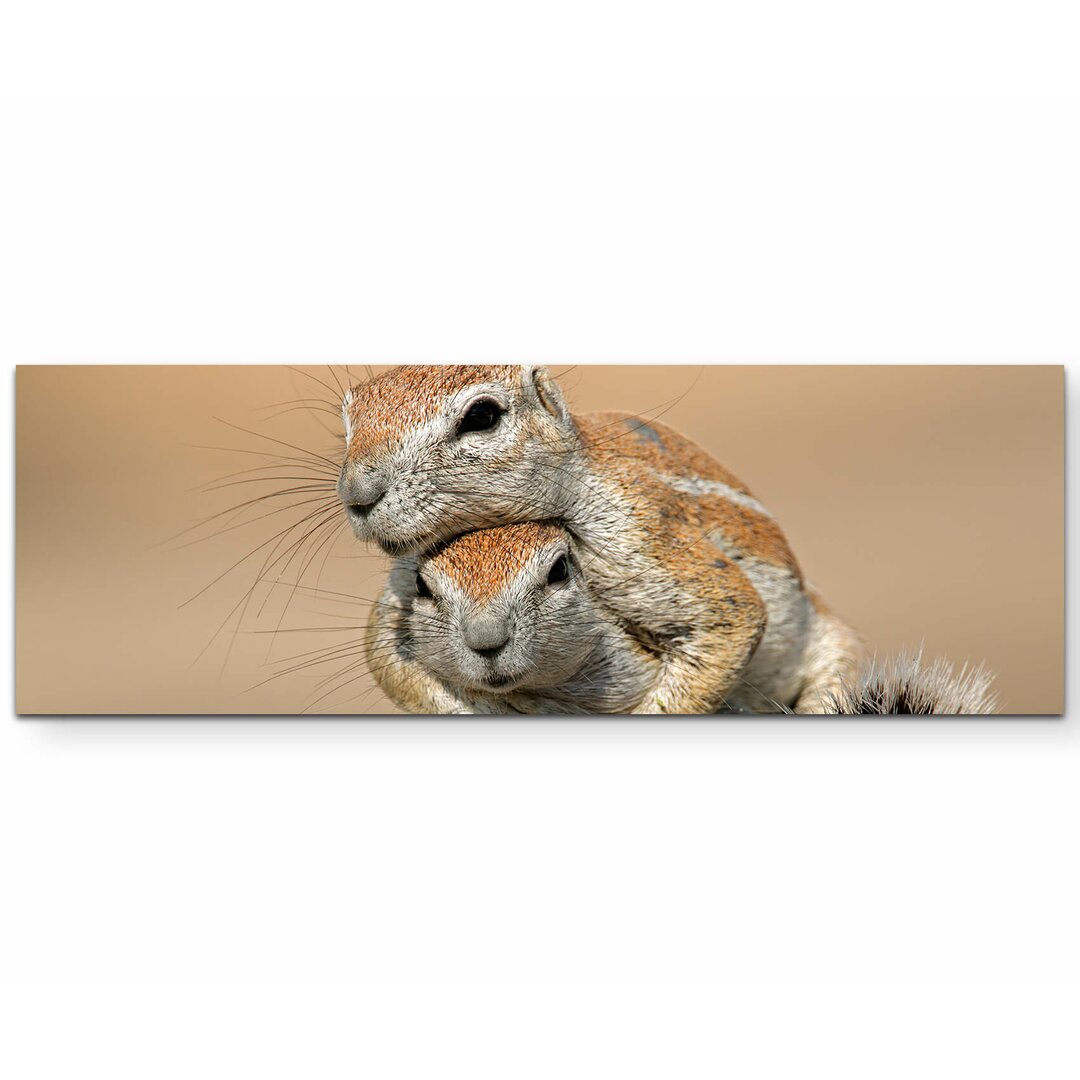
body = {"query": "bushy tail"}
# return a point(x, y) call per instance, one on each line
point(906, 685)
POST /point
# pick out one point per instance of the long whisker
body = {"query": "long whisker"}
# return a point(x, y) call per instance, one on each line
point(280, 442)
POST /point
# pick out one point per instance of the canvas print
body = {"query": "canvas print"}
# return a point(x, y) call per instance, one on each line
point(459, 539)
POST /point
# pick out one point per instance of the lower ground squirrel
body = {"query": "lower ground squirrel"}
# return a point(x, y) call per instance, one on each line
point(502, 621)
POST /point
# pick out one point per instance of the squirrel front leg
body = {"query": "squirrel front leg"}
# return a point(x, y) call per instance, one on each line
point(711, 632)
point(833, 658)
point(402, 679)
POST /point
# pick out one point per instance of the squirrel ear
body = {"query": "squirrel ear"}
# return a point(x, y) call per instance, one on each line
point(547, 390)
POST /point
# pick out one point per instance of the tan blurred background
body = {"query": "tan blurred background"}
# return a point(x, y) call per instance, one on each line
point(927, 503)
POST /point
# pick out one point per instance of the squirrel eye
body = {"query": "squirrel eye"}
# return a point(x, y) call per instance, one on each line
point(422, 588)
point(560, 571)
point(483, 415)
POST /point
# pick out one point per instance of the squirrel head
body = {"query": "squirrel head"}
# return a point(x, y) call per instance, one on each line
point(502, 609)
point(434, 451)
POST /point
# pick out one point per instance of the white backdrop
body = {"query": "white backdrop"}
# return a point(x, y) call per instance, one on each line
point(328, 898)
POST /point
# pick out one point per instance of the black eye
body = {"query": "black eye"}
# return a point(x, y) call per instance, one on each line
point(560, 571)
point(421, 587)
point(483, 415)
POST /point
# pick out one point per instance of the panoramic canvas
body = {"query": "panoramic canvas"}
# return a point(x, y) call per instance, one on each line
point(519, 539)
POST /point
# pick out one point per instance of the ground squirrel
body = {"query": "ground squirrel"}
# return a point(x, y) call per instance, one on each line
point(675, 550)
point(502, 621)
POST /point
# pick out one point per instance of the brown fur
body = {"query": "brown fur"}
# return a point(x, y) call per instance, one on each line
point(612, 436)
point(397, 400)
point(616, 450)
point(484, 562)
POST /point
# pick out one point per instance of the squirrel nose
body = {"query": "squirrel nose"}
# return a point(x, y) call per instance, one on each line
point(360, 489)
point(486, 634)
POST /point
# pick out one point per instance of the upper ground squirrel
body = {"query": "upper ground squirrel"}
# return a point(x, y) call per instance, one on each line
point(674, 548)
